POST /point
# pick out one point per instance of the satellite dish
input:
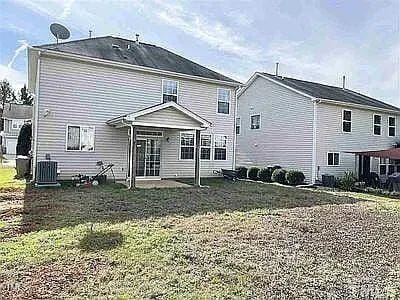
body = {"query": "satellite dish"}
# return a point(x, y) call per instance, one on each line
point(59, 31)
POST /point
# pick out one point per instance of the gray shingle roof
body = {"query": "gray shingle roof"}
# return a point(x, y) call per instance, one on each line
point(142, 54)
point(323, 91)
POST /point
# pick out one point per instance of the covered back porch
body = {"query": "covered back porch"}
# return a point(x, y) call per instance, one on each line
point(153, 145)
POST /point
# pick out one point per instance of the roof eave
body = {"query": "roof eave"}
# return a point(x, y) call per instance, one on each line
point(78, 57)
point(361, 106)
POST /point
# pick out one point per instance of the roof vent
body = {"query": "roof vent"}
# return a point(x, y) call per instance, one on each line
point(276, 69)
point(137, 38)
point(344, 82)
point(115, 46)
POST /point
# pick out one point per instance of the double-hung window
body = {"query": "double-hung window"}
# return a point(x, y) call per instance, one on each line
point(205, 146)
point(346, 120)
point(238, 121)
point(386, 166)
point(80, 138)
point(333, 158)
point(377, 124)
point(170, 90)
point(16, 124)
point(187, 145)
point(220, 147)
point(255, 121)
point(224, 99)
point(392, 126)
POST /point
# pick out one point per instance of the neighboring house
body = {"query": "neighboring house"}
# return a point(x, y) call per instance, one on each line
point(312, 127)
point(14, 115)
point(96, 98)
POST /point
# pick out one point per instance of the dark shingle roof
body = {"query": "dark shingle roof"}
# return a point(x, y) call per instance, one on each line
point(141, 54)
point(323, 91)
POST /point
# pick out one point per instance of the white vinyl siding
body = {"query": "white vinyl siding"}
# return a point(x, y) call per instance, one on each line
point(224, 100)
point(98, 93)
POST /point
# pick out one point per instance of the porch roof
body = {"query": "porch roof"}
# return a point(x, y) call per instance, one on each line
point(164, 115)
point(392, 153)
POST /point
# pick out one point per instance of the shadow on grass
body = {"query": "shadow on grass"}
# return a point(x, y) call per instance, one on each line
point(100, 240)
point(69, 206)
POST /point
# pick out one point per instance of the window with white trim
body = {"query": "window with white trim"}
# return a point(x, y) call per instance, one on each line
point(377, 124)
point(205, 146)
point(255, 121)
point(387, 166)
point(224, 99)
point(187, 145)
point(16, 124)
point(333, 159)
point(80, 138)
point(170, 90)
point(238, 125)
point(346, 120)
point(220, 147)
point(392, 126)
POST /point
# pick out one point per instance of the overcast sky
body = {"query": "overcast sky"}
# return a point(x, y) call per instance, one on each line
point(312, 40)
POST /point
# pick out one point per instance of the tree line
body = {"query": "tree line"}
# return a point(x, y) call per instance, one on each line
point(8, 94)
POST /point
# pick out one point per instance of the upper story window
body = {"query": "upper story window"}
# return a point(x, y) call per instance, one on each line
point(80, 138)
point(170, 90)
point(205, 146)
point(220, 147)
point(17, 124)
point(346, 120)
point(187, 146)
point(255, 121)
point(333, 158)
point(224, 99)
point(238, 124)
point(392, 126)
point(377, 124)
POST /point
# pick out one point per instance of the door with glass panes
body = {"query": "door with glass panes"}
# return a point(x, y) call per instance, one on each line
point(148, 154)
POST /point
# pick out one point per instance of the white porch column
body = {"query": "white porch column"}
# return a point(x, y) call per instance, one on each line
point(132, 179)
point(197, 160)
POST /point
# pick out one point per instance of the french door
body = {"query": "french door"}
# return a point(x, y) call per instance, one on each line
point(148, 153)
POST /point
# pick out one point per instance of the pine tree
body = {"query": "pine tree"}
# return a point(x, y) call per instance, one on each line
point(25, 97)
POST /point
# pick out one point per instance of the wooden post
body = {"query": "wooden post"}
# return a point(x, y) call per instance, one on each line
point(132, 180)
point(197, 160)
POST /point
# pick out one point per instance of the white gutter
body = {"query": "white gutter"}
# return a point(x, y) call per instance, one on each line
point(130, 158)
point(360, 106)
point(131, 67)
point(234, 131)
point(314, 142)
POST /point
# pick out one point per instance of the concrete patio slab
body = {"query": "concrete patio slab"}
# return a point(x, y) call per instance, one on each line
point(165, 183)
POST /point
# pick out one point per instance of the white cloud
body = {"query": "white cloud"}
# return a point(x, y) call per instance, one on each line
point(17, 51)
point(16, 78)
point(67, 9)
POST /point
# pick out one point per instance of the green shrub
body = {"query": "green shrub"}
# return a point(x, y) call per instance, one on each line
point(295, 177)
point(265, 174)
point(252, 173)
point(279, 176)
point(347, 182)
point(241, 172)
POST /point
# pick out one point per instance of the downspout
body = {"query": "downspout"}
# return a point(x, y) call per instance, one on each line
point(130, 158)
point(314, 142)
point(36, 119)
point(234, 131)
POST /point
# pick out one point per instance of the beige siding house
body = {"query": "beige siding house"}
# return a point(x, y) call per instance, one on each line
point(313, 127)
point(135, 105)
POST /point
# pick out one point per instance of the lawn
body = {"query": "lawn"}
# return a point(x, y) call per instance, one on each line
point(230, 240)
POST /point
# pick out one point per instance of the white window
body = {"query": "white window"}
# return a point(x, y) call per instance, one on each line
point(346, 120)
point(17, 124)
point(333, 159)
point(187, 146)
point(220, 147)
point(224, 99)
point(80, 138)
point(255, 121)
point(386, 166)
point(205, 146)
point(238, 124)
point(392, 126)
point(169, 90)
point(377, 124)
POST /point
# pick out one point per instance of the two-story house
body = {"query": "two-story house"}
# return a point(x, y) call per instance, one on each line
point(312, 127)
point(14, 116)
point(150, 112)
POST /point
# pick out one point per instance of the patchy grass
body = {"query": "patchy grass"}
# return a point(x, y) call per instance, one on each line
point(7, 180)
point(231, 240)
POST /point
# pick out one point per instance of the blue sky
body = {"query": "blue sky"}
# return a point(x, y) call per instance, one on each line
point(312, 40)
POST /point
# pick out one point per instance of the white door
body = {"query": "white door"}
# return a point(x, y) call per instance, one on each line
point(11, 145)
